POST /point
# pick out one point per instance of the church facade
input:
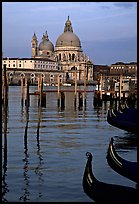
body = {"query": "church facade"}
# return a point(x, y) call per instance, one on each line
point(67, 52)
point(63, 61)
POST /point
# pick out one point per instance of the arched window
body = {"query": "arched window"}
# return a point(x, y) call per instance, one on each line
point(60, 56)
point(22, 75)
point(64, 57)
point(43, 75)
point(73, 56)
point(32, 75)
point(69, 56)
point(11, 74)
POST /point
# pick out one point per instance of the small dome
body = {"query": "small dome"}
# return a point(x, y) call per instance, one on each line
point(46, 44)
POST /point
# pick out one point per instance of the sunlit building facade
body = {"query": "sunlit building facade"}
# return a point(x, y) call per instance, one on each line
point(67, 52)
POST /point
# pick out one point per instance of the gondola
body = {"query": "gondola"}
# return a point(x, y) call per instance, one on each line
point(124, 167)
point(125, 120)
point(104, 192)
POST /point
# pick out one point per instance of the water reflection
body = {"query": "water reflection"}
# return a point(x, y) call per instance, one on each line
point(38, 170)
point(127, 141)
point(26, 192)
point(52, 141)
point(4, 184)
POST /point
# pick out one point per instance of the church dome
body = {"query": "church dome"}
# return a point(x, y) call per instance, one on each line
point(46, 44)
point(68, 38)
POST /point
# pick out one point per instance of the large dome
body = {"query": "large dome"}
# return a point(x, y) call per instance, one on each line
point(46, 44)
point(68, 38)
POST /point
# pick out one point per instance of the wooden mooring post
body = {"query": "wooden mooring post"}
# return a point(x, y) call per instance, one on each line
point(5, 88)
point(58, 92)
point(22, 91)
point(62, 100)
point(42, 96)
point(2, 87)
point(27, 101)
point(98, 93)
point(85, 88)
point(75, 90)
point(120, 87)
point(80, 101)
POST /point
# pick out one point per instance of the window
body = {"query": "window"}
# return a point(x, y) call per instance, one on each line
point(59, 56)
point(19, 65)
point(11, 74)
point(73, 56)
point(13, 65)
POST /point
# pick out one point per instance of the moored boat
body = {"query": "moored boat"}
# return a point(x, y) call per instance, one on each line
point(105, 192)
point(126, 120)
point(122, 166)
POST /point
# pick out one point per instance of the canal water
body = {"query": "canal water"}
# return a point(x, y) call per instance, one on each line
point(43, 149)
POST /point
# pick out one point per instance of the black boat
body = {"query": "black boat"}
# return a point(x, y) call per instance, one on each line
point(125, 120)
point(105, 192)
point(124, 167)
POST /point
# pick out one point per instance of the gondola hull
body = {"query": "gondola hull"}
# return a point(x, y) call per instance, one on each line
point(104, 192)
point(125, 120)
point(124, 167)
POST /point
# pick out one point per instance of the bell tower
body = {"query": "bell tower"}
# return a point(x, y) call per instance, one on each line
point(68, 26)
point(34, 45)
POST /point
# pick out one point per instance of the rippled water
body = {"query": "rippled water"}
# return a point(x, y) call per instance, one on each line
point(43, 149)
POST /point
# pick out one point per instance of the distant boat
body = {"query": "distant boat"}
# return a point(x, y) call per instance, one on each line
point(120, 165)
point(46, 84)
point(104, 192)
point(66, 84)
point(125, 119)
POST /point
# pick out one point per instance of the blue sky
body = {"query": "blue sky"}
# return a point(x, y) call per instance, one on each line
point(107, 30)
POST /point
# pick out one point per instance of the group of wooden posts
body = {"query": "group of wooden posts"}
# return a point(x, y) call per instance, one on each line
point(60, 94)
point(112, 95)
point(99, 95)
point(25, 93)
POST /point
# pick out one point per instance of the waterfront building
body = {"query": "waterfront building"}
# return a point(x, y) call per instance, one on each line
point(126, 69)
point(65, 60)
point(67, 52)
point(100, 69)
point(31, 68)
point(111, 76)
